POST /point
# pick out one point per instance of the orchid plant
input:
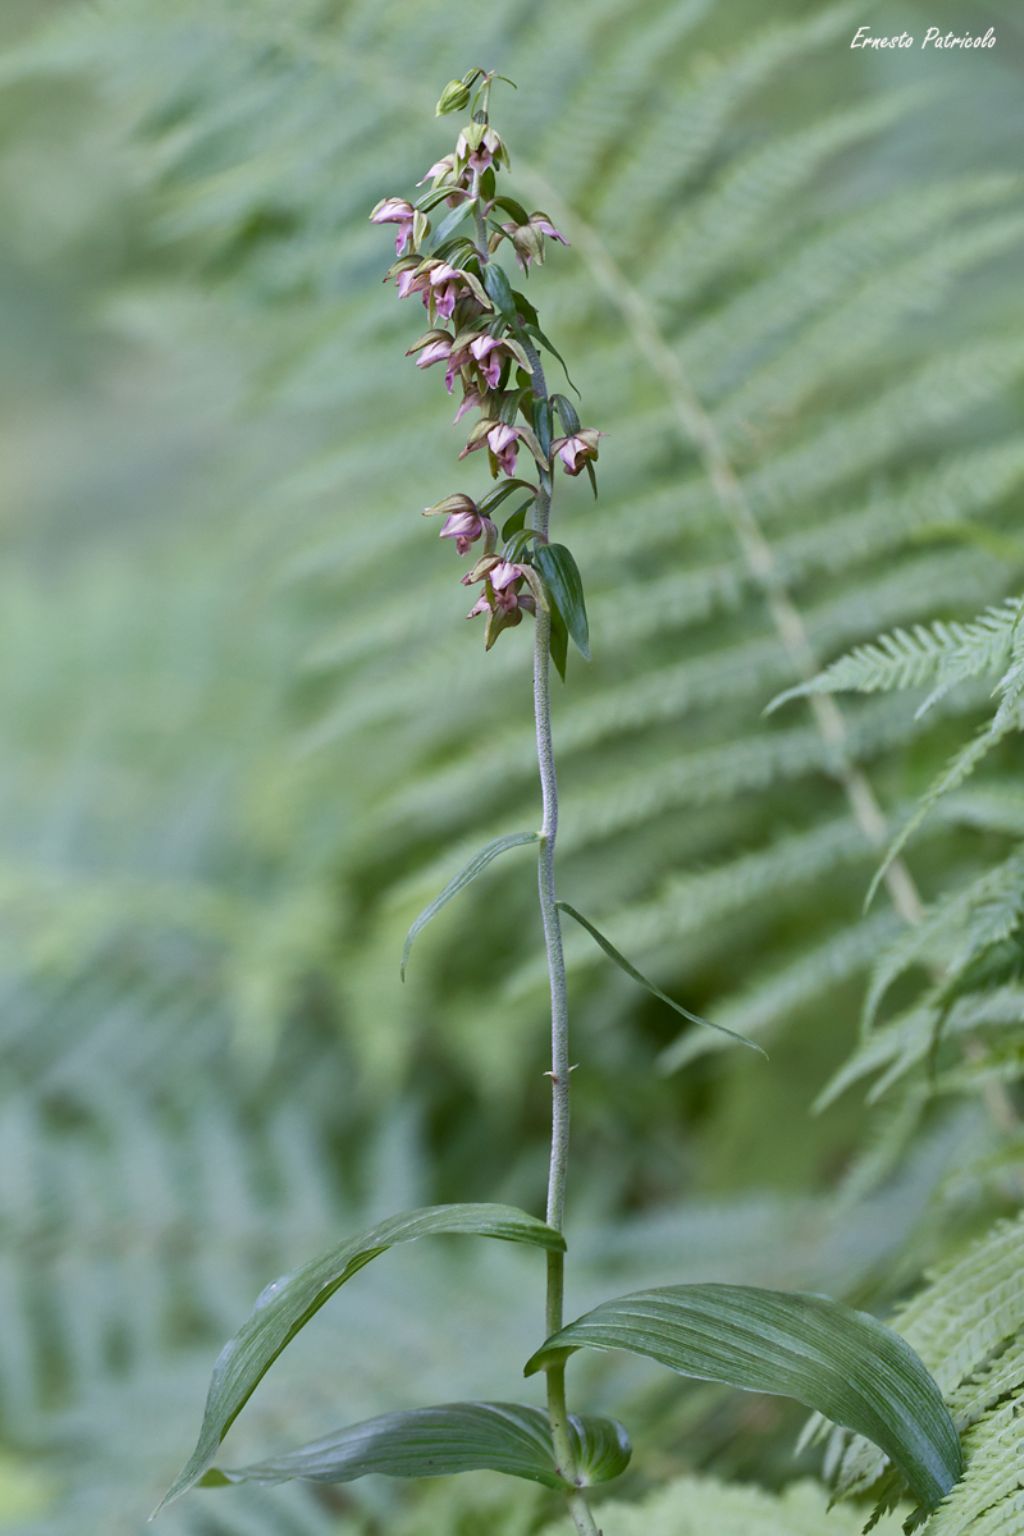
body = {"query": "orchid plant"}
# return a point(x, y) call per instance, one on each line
point(840, 1362)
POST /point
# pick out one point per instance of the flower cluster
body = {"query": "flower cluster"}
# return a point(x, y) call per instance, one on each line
point(487, 336)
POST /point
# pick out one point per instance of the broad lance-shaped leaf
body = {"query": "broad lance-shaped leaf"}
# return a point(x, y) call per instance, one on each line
point(631, 971)
point(843, 1363)
point(435, 1442)
point(286, 1306)
point(562, 579)
point(477, 864)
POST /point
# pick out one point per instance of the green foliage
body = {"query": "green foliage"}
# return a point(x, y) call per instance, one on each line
point(844, 1363)
point(436, 1442)
point(967, 1324)
point(285, 1306)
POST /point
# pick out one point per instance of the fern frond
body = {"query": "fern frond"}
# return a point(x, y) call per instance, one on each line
point(908, 659)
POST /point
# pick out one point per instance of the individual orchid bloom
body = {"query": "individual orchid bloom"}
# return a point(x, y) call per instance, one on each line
point(577, 450)
point(503, 442)
point(501, 439)
point(434, 347)
point(478, 147)
point(465, 528)
point(412, 281)
point(445, 284)
point(489, 353)
point(395, 210)
point(528, 239)
point(505, 580)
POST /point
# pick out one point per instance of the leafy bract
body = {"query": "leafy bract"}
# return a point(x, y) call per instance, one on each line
point(286, 1306)
point(476, 865)
point(451, 1437)
point(562, 579)
point(631, 971)
point(844, 1363)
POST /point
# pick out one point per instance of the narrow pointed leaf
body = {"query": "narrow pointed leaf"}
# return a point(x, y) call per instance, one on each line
point(286, 1306)
point(450, 223)
point(631, 970)
point(436, 1442)
point(843, 1363)
point(562, 579)
point(499, 290)
point(476, 865)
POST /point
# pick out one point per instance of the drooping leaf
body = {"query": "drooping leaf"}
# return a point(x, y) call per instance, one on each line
point(843, 1363)
point(435, 1442)
point(545, 341)
point(476, 865)
point(513, 207)
point(286, 1306)
point(631, 971)
point(562, 578)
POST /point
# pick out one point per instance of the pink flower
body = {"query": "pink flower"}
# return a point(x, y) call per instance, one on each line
point(411, 281)
point(505, 580)
point(465, 528)
point(444, 282)
point(434, 347)
point(578, 449)
point(439, 168)
point(395, 210)
point(543, 223)
point(528, 239)
point(503, 442)
point(489, 354)
point(436, 352)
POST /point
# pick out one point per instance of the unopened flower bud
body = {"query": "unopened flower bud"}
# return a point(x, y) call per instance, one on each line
point(454, 98)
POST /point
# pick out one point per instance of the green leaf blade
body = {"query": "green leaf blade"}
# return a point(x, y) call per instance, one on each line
point(477, 864)
point(510, 1438)
point(843, 1363)
point(631, 971)
point(285, 1307)
point(562, 579)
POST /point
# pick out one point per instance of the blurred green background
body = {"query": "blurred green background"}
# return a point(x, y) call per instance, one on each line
point(249, 735)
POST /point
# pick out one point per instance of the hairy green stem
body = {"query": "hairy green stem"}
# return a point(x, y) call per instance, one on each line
point(558, 1413)
point(560, 1065)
